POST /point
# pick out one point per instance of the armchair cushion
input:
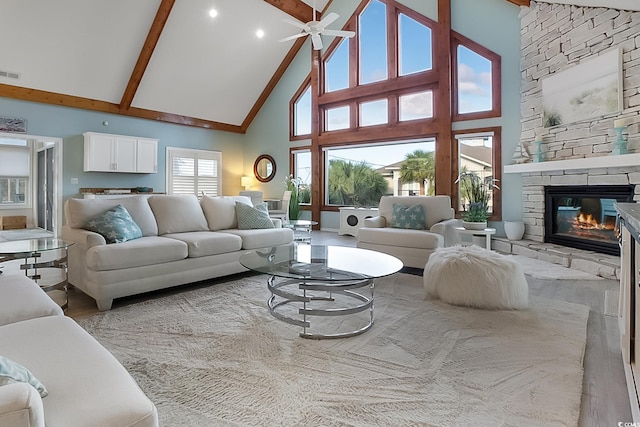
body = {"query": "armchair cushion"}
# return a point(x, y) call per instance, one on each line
point(409, 217)
point(436, 208)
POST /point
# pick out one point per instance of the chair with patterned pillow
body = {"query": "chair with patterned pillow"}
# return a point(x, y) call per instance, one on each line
point(410, 228)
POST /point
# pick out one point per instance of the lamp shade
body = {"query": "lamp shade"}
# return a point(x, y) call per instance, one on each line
point(246, 182)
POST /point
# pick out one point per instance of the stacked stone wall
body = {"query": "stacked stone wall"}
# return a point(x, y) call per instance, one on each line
point(555, 37)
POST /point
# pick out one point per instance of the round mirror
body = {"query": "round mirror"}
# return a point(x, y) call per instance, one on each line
point(264, 168)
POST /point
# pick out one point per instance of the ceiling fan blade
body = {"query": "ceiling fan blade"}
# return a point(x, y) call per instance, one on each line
point(326, 20)
point(317, 41)
point(295, 36)
point(297, 24)
point(339, 33)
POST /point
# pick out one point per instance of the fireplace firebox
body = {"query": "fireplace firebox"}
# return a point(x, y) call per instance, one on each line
point(583, 216)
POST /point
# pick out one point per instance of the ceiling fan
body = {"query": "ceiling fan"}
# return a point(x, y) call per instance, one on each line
point(317, 28)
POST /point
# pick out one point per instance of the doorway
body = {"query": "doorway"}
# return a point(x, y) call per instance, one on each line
point(39, 179)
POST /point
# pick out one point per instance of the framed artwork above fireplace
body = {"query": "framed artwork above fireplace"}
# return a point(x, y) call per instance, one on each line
point(591, 89)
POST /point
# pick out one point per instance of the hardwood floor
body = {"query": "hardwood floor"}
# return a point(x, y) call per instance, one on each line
point(605, 401)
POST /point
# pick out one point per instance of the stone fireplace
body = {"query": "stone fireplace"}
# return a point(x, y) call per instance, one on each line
point(614, 172)
point(583, 216)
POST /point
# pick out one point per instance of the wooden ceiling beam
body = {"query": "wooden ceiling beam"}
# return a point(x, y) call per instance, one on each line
point(282, 68)
point(296, 8)
point(52, 98)
point(147, 51)
point(520, 2)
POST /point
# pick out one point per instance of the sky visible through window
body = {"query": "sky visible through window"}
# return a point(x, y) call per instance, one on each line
point(415, 55)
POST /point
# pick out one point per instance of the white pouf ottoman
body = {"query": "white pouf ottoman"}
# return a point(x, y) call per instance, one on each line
point(475, 277)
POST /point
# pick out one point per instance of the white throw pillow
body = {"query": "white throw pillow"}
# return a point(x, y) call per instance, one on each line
point(178, 214)
point(221, 211)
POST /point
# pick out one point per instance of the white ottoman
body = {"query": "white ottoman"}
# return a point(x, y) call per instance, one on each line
point(475, 277)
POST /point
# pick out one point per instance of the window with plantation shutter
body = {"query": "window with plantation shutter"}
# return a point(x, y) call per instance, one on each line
point(193, 171)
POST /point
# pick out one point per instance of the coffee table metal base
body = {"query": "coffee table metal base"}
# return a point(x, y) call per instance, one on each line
point(297, 302)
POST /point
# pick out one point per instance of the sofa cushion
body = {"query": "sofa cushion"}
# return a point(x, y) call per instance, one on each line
point(178, 214)
point(204, 243)
point(115, 224)
point(253, 217)
point(87, 385)
point(221, 211)
point(16, 288)
point(12, 372)
point(264, 238)
point(388, 236)
point(78, 211)
point(436, 208)
point(409, 217)
point(136, 253)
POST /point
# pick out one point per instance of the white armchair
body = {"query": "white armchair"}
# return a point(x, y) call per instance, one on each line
point(412, 246)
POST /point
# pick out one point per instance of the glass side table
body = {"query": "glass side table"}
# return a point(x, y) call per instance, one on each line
point(31, 251)
point(301, 229)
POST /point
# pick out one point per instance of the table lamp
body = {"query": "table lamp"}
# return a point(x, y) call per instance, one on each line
point(246, 182)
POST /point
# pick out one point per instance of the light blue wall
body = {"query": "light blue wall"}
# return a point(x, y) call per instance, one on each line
point(495, 24)
point(492, 23)
point(70, 123)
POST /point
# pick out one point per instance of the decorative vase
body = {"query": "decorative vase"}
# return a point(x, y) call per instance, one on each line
point(514, 229)
point(474, 225)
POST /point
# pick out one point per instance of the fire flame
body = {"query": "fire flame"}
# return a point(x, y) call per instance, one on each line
point(588, 222)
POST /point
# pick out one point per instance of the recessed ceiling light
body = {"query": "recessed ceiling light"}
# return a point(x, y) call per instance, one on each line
point(213, 13)
point(260, 33)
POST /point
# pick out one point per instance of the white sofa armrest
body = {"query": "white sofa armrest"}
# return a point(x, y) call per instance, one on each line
point(446, 229)
point(83, 237)
point(375, 222)
point(20, 406)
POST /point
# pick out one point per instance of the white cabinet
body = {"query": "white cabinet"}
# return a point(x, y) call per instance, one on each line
point(118, 153)
point(353, 218)
point(147, 155)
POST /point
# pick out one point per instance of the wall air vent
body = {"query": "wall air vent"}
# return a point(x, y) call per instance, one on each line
point(9, 74)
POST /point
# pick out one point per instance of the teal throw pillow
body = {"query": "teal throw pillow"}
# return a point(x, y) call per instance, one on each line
point(409, 217)
point(115, 224)
point(253, 217)
point(12, 372)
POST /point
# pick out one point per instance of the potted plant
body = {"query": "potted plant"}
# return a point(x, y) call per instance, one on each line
point(475, 193)
point(293, 185)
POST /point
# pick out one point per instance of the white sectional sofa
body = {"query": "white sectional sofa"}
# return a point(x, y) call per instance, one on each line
point(412, 246)
point(86, 385)
point(183, 241)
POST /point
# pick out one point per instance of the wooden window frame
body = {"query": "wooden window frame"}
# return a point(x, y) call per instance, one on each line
point(496, 159)
point(306, 84)
point(458, 39)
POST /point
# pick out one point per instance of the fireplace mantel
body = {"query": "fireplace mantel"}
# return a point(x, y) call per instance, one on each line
point(584, 163)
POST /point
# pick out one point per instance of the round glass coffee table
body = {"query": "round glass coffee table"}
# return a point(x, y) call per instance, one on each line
point(301, 229)
point(33, 249)
point(327, 290)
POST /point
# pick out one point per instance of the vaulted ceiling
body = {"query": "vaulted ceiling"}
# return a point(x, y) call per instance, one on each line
point(158, 59)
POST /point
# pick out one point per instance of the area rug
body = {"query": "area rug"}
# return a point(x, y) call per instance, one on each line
point(546, 270)
point(214, 356)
